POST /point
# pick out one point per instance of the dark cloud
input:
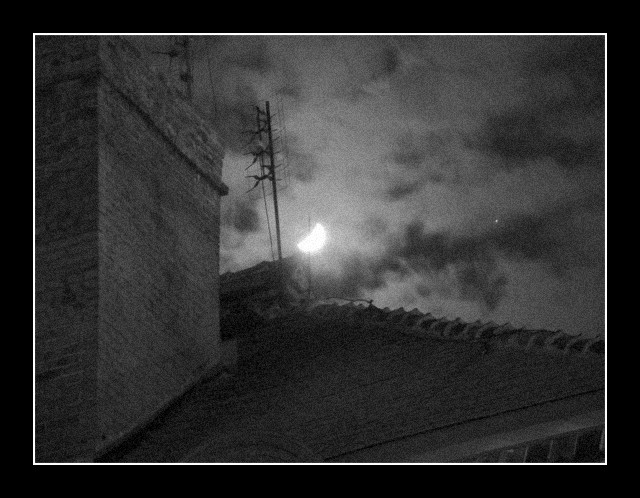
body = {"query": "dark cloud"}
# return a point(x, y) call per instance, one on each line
point(375, 59)
point(356, 273)
point(578, 58)
point(350, 92)
point(233, 115)
point(408, 151)
point(475, 273)
point(290, 86)
point(242, 215)
point(526, 236)
point(290, 90)
point(433, 151)
point(386, 63)
point(302, 163)
point(555, 237)
point(253, 57)
point(391, 60)
point(468, 262)
point(401, 190)
point(418, 159)
point(481, 281)
point(423, 290)
point(526, 134)
point(566, 236)
point(561, 116)
point(434, 251)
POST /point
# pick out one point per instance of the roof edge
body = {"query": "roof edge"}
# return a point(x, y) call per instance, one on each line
point(417, 323)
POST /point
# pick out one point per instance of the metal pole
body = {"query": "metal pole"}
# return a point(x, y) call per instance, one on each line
point(309, 264)
point(260, 139)
point(272, 169)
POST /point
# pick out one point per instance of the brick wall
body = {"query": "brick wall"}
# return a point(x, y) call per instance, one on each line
point(127, 238)
point(66, 248)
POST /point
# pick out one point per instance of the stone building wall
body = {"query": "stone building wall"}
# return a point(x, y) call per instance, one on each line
point(128, 185)
point(67, 268)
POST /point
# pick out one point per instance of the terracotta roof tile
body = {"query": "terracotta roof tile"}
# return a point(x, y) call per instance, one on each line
point(415, 322)
point(333, 379)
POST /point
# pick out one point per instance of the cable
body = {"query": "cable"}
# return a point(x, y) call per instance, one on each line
point(285, 144)
point(213, 95)
point(266, 211)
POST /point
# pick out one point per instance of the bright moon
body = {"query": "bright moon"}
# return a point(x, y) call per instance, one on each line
point(315, 240)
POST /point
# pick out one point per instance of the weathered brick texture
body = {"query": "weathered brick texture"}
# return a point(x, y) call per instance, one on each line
point(66, 248)
point(127, 240)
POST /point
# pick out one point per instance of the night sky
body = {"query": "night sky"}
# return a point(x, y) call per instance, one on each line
point(462, 175)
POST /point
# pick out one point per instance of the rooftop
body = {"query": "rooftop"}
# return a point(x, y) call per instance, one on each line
point(329, 382)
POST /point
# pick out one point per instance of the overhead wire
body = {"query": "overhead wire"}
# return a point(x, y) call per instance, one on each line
point(264, 194)
point(266, 210)
point(213, 95)
point(285, 145)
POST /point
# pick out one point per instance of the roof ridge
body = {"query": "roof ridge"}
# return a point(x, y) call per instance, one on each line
point(264, 265)
point(417, 323)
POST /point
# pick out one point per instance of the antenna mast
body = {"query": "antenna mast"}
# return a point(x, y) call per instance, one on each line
point(264, 125)
point(272, 171)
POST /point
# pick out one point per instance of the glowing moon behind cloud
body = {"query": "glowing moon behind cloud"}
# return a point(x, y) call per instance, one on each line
point(315, 240)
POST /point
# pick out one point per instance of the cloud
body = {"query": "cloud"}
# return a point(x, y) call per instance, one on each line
point(303, 164)
point(434, 149)
point(416, 159)
point(233, 115)
point(386, 63)
point(354, 274)
point(291, 90)
point(560, 115)
point(481, 281)
point(466, 263)
point(400, 190)
point(242, 215)
point(518, 136)
point(253, 57)
point(453, 131)
point(408, 151)
point(578, 58)
point(367, 64)
point(454, 263)
point(569, 235)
